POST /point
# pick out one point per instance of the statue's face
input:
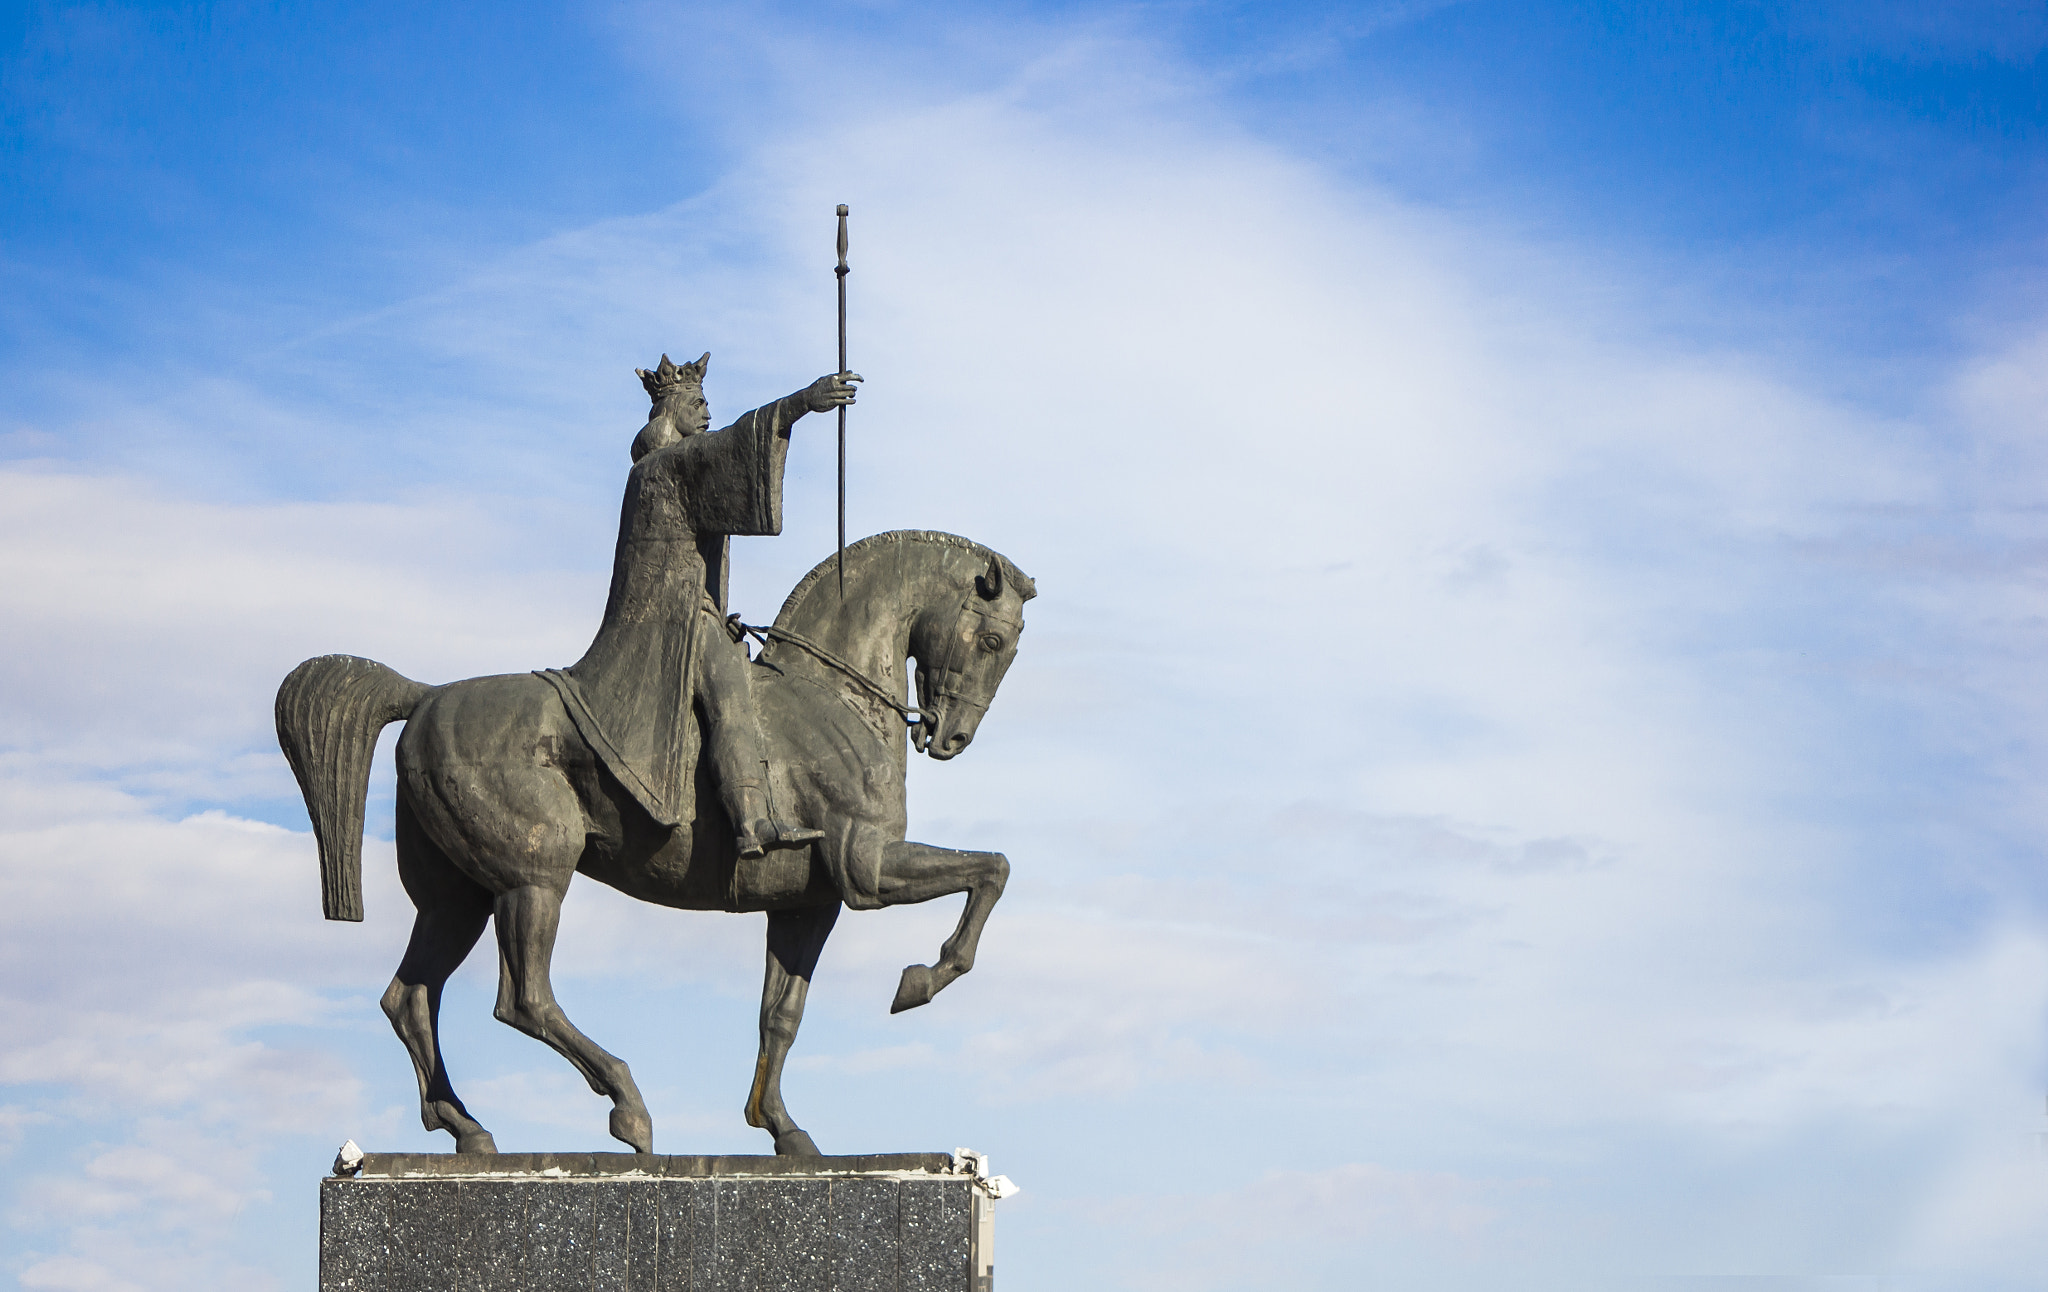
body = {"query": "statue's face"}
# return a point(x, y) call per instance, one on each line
point(693, 415)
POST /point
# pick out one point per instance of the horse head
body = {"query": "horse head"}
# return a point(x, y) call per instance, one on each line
point(962, 650)
point(952, 606)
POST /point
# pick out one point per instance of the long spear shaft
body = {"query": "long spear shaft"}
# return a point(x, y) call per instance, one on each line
point(841, 273)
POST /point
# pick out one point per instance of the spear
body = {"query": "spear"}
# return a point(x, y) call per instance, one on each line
point(840, 273)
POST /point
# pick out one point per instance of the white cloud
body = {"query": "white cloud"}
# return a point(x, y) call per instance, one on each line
point(75, 1274)
point(1288, 1227)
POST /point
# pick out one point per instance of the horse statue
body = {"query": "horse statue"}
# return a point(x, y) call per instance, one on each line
point(502, 800)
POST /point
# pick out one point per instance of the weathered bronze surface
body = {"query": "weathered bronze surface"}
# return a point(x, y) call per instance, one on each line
point(667, 764)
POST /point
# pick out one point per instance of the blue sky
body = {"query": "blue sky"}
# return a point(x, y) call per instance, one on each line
point(1849, 164)
point(1524, 771)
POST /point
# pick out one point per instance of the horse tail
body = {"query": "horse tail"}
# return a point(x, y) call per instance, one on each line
point(329, 712)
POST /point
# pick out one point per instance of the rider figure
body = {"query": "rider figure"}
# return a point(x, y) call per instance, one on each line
point(663, 651)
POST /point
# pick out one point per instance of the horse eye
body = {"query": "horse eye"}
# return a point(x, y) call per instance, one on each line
point(989, 641)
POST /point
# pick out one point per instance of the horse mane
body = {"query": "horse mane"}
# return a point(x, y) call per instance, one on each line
point(1012, 576)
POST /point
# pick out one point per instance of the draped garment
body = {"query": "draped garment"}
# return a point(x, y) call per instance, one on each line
point(632, 693)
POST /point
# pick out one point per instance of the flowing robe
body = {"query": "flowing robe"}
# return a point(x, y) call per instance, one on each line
point(632, 693)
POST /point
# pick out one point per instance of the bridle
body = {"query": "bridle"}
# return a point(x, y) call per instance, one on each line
point(765, 633)
point(919, 717)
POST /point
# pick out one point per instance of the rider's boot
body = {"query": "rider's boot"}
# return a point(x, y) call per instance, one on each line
point(757, 830)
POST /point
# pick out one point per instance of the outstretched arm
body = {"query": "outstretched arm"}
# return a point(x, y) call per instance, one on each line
point(733, 478)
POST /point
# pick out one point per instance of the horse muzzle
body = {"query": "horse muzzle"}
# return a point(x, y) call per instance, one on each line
point(940, 736)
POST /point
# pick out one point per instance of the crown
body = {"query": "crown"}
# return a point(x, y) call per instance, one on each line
point(667, 378)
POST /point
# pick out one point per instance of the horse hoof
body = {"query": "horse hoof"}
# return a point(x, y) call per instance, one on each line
point(795, 1143)
point(915, 989)
point(478, 1142)
point(634, 1128)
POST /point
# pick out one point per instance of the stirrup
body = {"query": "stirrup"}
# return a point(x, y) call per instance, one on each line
point(765, 833)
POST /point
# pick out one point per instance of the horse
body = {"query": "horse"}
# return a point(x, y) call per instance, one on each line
point(502, 800)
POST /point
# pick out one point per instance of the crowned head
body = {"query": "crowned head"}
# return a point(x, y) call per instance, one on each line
point(677, 390)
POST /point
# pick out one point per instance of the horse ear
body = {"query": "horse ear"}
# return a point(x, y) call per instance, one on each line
point(990, 585)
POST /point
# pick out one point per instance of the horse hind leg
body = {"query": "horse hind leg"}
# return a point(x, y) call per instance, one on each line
point(527, 919)
point(918, 872)
point(452, 912)
point(795, 937)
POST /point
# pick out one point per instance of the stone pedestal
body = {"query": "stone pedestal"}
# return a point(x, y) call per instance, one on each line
point(624, 1222)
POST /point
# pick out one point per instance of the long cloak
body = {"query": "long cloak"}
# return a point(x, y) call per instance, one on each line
point(632, 693)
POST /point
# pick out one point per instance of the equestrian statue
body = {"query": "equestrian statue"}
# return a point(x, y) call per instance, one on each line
point(668, 764)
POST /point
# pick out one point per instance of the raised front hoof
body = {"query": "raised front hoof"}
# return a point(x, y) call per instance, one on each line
point(633, 1127)
point(915, 989)
point(795, 1143)
point(478, 1142)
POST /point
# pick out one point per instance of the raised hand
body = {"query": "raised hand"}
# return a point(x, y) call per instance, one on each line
point(832, 391)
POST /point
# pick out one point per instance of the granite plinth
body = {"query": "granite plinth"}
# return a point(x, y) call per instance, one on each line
point(626, 1222)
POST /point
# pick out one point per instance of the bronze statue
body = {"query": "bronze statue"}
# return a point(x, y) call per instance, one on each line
point(667, 764)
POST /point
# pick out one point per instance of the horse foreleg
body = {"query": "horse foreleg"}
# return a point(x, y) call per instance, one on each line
point(918, 872)
point(452, 913)
point(527, 919)
point(794, 940)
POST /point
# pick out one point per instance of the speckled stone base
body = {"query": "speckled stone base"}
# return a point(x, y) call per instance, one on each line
point(623, 1222)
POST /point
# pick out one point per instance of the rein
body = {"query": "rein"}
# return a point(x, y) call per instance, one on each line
point(764, 633)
